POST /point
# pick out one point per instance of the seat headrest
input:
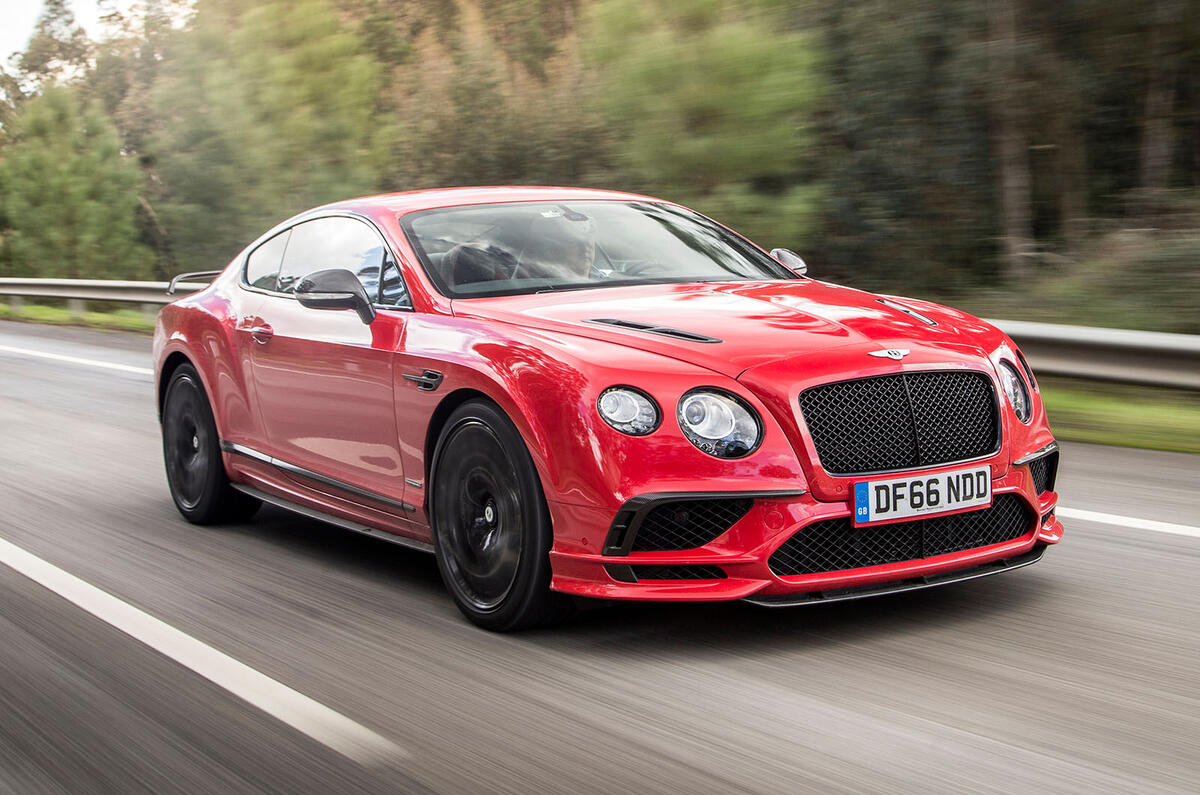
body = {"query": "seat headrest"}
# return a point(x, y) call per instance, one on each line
point(466, 264)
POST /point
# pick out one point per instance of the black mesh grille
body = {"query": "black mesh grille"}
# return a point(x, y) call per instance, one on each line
point(836, 544)
point(1043, 471)
point(687, 524)
point(678, 572)
point(902, 421)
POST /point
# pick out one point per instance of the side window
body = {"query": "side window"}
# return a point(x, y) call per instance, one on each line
point(392, 291)
point(263, 263)
point(333, 243)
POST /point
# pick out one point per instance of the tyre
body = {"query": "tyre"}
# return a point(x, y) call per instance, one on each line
point(491, 527)
point(192, 453)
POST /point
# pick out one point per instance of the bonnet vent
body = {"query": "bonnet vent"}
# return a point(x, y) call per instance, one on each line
point(650, 328)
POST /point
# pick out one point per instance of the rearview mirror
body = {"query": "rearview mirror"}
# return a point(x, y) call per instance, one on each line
point(335, 288)
point(791, 259)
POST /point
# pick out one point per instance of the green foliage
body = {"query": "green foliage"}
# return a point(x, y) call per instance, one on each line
point(281, 114)
point(907, 149)
point(58, 46)
point(712, 103)
point(120, 319)
point(69, 198)
point(1120, 414)
point(864, 133)
point(528, 31)
point(1130, 278)
point(468, 129)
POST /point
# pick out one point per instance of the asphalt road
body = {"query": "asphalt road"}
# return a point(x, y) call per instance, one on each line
point(1078, 674)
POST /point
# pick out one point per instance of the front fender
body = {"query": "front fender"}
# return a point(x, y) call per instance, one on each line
point(549, 383)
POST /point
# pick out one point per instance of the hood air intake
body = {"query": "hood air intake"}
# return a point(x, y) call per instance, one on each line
point(650, 328)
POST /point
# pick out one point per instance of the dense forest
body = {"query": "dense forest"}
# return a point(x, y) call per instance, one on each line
point(1020, 158)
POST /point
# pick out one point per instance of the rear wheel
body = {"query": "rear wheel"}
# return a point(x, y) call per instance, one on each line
point(192, 452)
point(491, 527)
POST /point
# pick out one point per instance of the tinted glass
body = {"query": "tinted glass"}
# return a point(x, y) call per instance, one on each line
point(262, 266)
point(392, 291)
point(503, 249)
point(333, 243)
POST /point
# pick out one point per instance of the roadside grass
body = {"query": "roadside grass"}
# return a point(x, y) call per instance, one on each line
point(1083, 411)
point(1123, 415)
point(119, 319)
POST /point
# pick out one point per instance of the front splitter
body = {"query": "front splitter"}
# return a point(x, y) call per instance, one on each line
point(898, 586)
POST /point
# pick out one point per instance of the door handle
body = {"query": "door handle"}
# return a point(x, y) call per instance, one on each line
point(426, 381)
point(262, 334)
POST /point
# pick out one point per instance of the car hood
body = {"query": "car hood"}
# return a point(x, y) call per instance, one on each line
point(753, 323)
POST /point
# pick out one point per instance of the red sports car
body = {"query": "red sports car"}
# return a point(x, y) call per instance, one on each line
point(575, 393)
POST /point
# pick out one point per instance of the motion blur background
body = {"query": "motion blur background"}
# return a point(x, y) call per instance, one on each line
point(1018, 159)
point(1021, 159)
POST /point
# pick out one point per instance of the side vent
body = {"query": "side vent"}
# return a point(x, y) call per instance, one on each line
point(650, 328)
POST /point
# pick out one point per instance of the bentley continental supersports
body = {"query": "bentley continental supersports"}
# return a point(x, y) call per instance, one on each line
point(572, 393)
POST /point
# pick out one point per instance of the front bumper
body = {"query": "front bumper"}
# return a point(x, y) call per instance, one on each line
point(586, 563)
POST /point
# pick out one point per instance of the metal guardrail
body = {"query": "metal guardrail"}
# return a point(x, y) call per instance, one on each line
point(1105, 354)
point(95, 290)
point(1136, 357)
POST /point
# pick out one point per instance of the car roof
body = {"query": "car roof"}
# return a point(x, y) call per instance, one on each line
point(411, 201)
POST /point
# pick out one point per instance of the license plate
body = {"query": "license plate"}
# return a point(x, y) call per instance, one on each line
point(900, 498)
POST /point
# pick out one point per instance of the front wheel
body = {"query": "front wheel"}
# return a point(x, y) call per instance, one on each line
point(491, 527)
point(192, 452)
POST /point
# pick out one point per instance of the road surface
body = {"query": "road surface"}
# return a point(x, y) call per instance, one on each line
point(1078, 674)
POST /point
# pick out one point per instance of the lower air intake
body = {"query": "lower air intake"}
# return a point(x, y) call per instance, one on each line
point(1044, 470)
point(687, 524)
point(836, 544)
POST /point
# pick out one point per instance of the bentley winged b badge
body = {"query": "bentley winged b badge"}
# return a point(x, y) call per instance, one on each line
point(890, 353)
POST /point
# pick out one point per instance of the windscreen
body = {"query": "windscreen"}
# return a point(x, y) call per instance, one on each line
point(526, 247)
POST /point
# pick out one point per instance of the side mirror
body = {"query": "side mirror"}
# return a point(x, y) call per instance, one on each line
point(791, 259)
point(335, 288)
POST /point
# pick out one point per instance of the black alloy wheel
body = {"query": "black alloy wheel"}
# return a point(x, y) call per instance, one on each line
point(491, 527)
point(192, 453)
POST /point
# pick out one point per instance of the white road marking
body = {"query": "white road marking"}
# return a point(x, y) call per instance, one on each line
point(295, 709)
point(1129, 521)
point(58, 357)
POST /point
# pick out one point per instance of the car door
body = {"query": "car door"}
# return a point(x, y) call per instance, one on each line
point(324, 379)
point(235, 391)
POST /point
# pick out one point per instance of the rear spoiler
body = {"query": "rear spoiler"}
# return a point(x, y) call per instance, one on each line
point(184, 277)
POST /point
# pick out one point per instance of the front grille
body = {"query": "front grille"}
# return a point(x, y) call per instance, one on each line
point(836, 544)
point(1044, 470)
point(902, 421)
point(687, 524)
point(678, 573)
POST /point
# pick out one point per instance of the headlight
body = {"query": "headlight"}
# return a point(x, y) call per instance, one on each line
point(628, 410)
point(1025, 366)
point(1014, 389)
point(719, 423)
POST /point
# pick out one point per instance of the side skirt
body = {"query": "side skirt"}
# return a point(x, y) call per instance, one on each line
point(337, 521)
point(317, 477)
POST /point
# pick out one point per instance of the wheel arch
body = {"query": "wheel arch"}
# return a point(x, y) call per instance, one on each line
point(441, 415)
point(174, 360)
point(490, 387)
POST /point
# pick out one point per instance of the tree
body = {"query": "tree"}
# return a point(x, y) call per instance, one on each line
point(713, 103)
point(905, 145)
point(264, 112)
point(1010, 134)
point(68, 196)
point(58, 48)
